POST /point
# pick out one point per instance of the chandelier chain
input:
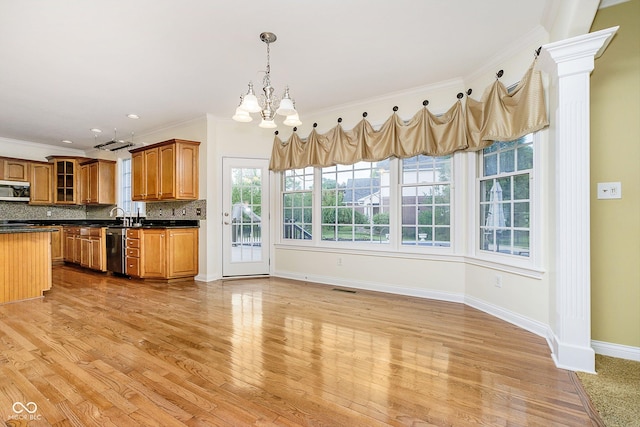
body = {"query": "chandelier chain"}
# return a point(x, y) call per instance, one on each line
point(267, 79)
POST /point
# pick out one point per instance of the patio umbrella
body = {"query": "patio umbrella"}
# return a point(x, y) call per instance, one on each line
point(495, 218)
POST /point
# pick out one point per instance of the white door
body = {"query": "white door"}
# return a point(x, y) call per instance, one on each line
point(245, 217)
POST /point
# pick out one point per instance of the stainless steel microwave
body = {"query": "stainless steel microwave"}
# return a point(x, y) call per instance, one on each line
point(14, 191)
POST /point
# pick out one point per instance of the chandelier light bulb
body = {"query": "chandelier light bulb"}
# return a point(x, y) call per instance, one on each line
point(268, 124)
point(286, 104)
point(242, 116)
point(250, 102)
point(292, 120)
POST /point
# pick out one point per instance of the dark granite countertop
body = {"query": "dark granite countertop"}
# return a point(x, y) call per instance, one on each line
point(25, 229)
point(146, 223)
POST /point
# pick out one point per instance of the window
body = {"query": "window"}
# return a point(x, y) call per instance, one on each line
point(355, 202)
point(426, 201)
point(297, 205)
point(125, 191)
point(505, 204)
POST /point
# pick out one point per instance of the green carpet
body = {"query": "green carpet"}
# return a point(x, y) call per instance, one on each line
point(614, 390)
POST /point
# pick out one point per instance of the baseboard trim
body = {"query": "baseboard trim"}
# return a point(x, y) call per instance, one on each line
point(533, 326)
point(616, 350)
point(376, 287)
point(206, 278)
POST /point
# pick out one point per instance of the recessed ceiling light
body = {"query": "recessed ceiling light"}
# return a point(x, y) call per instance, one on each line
point(66, 141)
point(96, 130)
point(133, 116)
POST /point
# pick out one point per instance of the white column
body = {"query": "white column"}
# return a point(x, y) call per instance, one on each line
point(569, 63)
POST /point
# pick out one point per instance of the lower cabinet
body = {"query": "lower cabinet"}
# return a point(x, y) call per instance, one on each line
point(86, 246)
point(70, 235)
point(162, 253)
point(57, 244)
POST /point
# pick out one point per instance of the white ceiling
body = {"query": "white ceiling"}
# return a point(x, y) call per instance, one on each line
point(70, 65)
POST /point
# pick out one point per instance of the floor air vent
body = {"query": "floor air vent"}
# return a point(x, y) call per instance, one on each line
point(349, 291)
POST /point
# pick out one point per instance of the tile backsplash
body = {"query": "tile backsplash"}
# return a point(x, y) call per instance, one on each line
point(20, 210)
point(193, 210)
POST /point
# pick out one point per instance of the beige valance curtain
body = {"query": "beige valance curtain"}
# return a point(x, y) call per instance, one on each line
point(499, 116)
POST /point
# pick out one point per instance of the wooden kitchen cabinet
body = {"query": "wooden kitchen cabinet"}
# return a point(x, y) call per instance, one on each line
point(132, 260)
point(69, 235)
point(66, 178)
point(14, 169)
point(98, 182)
point(57, 243)
point(93, 248)
point(182, 252)
point(86, 246)
point(162, 253)
point(167, 170)
point(154, 254)
point(41, 190)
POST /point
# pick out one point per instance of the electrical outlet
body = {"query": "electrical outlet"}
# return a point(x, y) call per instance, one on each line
point(173, 212)
point(48, 213)
point(498, 281)
point(184, 211)
point(609, 190)
point(198, 211)
point(339, 261)
point(159, 212)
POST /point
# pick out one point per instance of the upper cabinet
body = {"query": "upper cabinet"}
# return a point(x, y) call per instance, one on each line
point(66, 177)
point(166, 171)
point(79, 180)
point(14, 169)
point(41, 183)
point(98, 182)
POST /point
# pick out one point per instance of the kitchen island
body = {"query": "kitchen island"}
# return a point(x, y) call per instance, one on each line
point(25, 262)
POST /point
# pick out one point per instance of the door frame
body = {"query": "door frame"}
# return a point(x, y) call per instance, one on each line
point(262, 268)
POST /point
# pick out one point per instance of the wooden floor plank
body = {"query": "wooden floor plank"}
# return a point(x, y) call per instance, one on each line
point(105, 350)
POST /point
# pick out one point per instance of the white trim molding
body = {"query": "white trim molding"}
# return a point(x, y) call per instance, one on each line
point(569, 63)
point(616, 350)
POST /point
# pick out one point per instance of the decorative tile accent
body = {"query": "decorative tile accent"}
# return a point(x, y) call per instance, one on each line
point(174, 210)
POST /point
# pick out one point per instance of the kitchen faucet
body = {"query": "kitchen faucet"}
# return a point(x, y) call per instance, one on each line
point(124, 215)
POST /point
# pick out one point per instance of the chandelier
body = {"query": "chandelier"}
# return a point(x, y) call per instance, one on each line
point(268, 105)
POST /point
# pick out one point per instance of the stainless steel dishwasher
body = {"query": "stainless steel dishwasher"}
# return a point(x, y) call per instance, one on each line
point(116, 249)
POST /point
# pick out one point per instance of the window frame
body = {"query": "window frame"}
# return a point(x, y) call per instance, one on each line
point(122, 189)
point(283, 192)
point(530, 265)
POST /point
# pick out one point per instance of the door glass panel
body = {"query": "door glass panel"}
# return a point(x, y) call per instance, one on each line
point(246, 215)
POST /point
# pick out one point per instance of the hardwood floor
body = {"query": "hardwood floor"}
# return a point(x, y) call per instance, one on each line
point(100, 350)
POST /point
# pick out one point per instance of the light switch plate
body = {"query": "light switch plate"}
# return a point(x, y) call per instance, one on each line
point(609, 190)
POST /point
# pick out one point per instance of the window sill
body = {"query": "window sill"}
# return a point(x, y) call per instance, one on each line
point(520, 268)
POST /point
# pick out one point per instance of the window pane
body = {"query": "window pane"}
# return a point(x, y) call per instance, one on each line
point(507, 161)
point(505, 206)
point(426, 198)
point(521, 187)
point(521, 215)
point(525, 157)
point(490, 165)
point(356, 199)
point(297, 199)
